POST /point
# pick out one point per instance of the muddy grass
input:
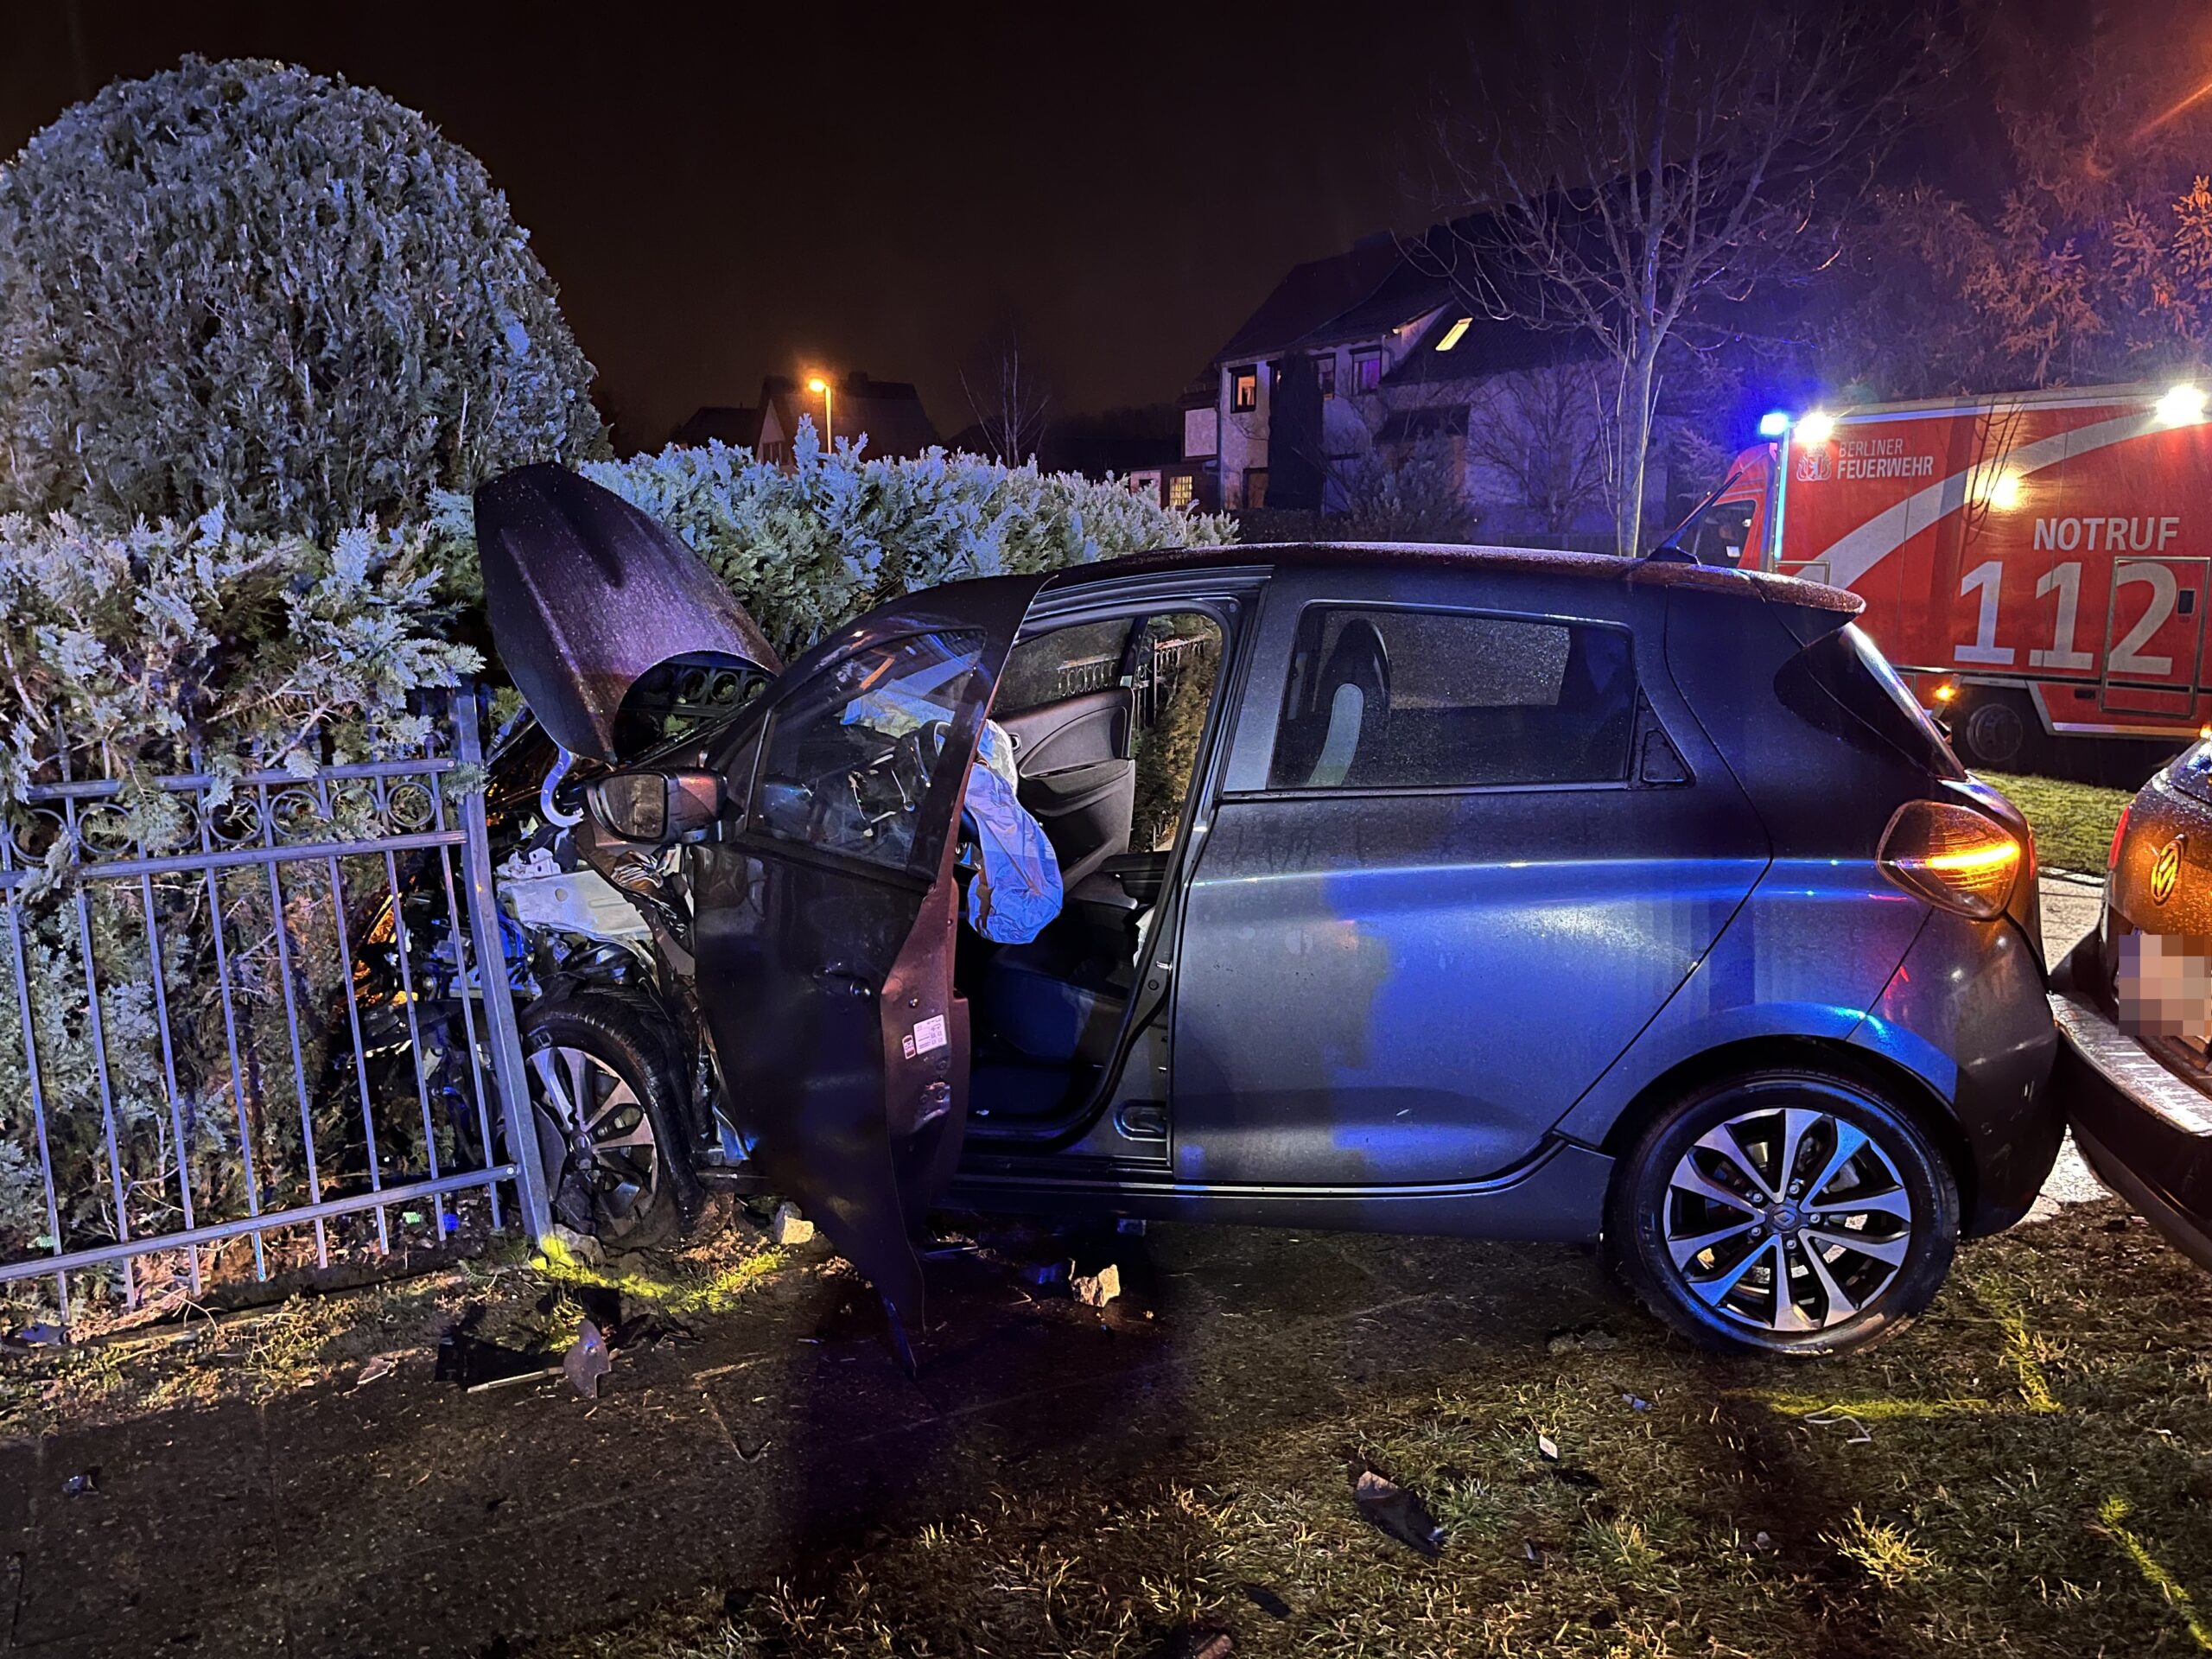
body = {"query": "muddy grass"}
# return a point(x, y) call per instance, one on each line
point(2028, 1471)
point(195, 1356)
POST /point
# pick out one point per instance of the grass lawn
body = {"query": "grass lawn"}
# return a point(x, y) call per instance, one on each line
point(2073, 821)
point(2028, 1471)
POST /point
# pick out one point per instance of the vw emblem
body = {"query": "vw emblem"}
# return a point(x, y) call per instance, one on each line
point(2166, 869)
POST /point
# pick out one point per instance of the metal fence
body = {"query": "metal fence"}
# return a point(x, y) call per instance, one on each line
point(247, 1028)
point(1158, 673)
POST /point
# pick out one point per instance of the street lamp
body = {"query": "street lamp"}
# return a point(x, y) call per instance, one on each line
point(820, 383)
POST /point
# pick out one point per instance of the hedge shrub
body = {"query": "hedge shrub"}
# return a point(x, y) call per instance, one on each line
point(241, 285)
point(806, 549)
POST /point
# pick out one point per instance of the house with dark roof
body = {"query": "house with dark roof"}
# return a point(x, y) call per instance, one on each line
point(1354, 361)
point(887, 413)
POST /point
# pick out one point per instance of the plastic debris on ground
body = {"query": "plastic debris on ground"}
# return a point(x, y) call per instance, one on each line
point(588, 1360)
point(377, 1369)
point(475, 1364)
point(1266, 1600)
point(81, 1484)
point(1549, 1447)
point(788, 1227)
point(1390, 1509)
point(1096, 1289)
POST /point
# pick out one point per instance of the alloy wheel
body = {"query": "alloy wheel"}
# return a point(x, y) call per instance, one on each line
point(1788, 1219)
point(608, 1157)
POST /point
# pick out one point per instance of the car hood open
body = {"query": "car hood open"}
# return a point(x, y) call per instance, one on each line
point(586, 595)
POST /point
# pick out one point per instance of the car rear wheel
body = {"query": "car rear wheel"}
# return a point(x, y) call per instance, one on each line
point(1788, 1211)
point(1997, 730)
point(602, 1094)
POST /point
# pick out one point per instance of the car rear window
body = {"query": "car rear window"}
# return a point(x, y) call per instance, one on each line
point(1851, 668)
point(1413, 699)
point(2192, 771)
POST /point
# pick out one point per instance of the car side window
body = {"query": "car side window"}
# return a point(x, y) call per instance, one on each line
point(1381, 698)
point(849, 758)
point(1066, 663)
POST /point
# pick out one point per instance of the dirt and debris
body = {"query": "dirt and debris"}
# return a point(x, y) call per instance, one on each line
point(1395, 1511)
point(1266, 1600)
point(1096, 1289)
point(788, 1227)
point(586, 1361)
point(84, 1483)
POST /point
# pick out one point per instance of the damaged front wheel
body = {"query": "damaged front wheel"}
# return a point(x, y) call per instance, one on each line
point(603, 1096)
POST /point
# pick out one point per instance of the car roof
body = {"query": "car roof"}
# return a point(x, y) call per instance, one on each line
point(1473, 560)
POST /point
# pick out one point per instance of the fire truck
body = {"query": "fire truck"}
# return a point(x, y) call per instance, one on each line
point(2038, 565)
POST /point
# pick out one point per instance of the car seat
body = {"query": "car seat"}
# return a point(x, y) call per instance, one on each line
point(1354, 689)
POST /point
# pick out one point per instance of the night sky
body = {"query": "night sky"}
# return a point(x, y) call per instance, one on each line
point(738, 191)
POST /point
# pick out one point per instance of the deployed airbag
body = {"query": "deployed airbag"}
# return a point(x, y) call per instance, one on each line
point(1016, 887)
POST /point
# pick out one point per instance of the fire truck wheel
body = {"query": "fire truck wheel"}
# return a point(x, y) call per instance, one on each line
point(1997, 730)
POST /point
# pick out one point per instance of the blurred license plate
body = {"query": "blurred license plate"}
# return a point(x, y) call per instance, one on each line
point(2165, 986)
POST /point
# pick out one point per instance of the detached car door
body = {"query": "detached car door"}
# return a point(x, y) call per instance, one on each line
point(825, 916)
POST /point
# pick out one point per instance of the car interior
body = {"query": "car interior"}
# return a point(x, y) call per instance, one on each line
point(1105, 719)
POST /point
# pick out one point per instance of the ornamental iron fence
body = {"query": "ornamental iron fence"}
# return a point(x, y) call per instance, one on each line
point(246, 1027)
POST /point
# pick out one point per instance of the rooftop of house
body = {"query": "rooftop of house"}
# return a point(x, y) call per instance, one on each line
point(889, 412)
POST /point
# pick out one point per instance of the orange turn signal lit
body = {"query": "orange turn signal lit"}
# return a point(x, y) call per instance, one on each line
point(1945, 692)
point(1953, 856)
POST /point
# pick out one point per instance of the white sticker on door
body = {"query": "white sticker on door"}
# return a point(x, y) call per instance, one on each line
point(929, 1034)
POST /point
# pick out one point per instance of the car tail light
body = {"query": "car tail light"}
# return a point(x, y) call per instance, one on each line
point(1952, 855)
point(2119, 835)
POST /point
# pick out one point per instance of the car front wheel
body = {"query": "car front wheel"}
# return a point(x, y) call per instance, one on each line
point(602, 1096)
point(1786, 1212)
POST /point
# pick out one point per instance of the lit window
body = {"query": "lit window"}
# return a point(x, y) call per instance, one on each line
point(1451, 334)
point(1366, 371)
point(1244, 391)
point(1324, 371)
point(1181, 490)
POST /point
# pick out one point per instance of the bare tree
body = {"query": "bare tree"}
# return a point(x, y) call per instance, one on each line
point(1625, 199)
point(1541, 434)
point(1005, 392)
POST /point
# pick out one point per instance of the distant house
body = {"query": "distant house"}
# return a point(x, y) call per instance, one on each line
point(888, 412)
point(1354, 361)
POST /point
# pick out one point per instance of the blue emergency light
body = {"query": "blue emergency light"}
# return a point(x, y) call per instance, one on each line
point(1774, 422)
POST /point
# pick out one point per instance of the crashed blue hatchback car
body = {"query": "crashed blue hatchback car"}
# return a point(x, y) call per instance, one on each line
point(1452, 890)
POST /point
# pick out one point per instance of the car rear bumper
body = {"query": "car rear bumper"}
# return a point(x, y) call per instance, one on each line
point(2146, 1128)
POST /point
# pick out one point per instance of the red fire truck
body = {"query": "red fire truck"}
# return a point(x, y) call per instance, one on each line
point(2041, 563)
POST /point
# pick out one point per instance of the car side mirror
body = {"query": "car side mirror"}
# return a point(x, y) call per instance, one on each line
point(652, 805)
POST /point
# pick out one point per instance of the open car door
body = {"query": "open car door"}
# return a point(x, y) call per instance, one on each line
point(825, 916)
point(586, 594)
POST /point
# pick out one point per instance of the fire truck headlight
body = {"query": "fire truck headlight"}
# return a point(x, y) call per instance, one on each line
point(1774, 422)
point(2183, 406)
point(1815, 428)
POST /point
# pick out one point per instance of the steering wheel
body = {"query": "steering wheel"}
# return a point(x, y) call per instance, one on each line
point(915, 757)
